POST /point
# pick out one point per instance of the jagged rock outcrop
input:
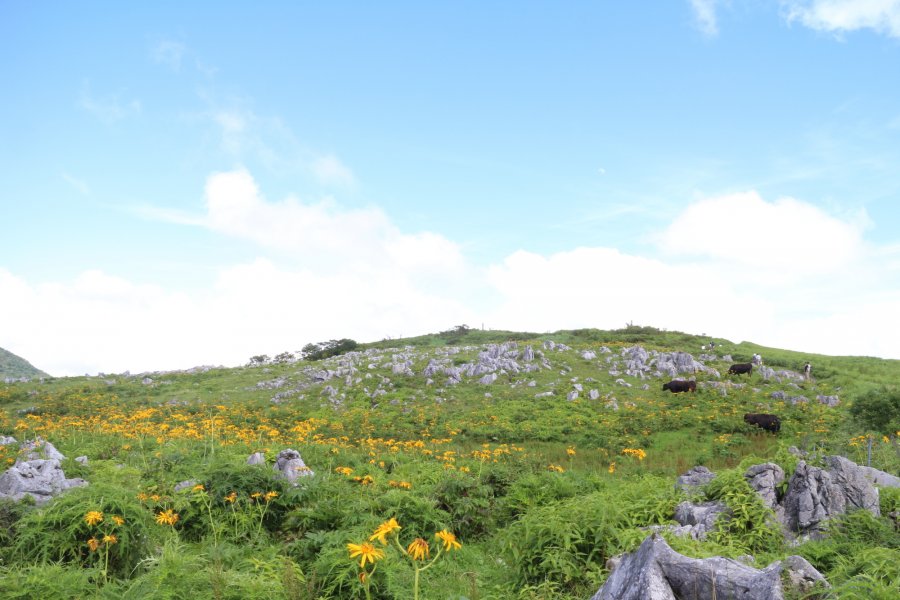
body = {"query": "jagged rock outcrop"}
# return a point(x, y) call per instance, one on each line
point(290, 466)
point(696, 520)
point(656, 572)
point(36, 473)
point(39, 478)
point(880, 478)
point(696, 477)
point(765, 479)
point(815, 494)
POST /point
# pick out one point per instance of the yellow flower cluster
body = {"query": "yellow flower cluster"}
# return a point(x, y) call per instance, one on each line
point(635, 452)
point(167, 517)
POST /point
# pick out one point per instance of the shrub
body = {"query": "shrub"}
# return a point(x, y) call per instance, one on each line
point(752, 526)
point(62, 531)
point(878, 410)
point(566, 543)
point(327, 349)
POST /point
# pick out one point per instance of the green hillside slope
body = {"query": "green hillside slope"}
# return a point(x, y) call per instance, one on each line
point(542, 454)
point(16, 366)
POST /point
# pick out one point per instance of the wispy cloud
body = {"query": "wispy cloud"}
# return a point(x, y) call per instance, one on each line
point(76, 183)
point(108, 109)
point(330, 170)
point(705, 16)
point(244, 135)
point(168, 52)
point(838, 16)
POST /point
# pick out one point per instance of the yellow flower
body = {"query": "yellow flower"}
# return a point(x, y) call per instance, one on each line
point(198, 488)
point(118, 520)
point(256, 495)
point(93, 517)
point(231, 497)
point(570, 451)
point(383, 530)
point(366, 551)
point(449, 539)
point(343, 470)
point(167, 517)
point(270, 496)
point(93, 544)
point(110, 539)
point(418, 549)
point(556, 468)
point(612, 467)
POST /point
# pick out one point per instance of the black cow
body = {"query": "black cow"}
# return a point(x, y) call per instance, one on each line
point(680, 386)
point(768, 422)
point(740, 369)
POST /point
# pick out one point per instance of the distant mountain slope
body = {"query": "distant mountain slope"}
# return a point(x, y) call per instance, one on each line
point(16, 366)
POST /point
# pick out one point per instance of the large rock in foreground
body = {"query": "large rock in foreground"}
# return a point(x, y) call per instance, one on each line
point(656, 572)
point(815, 495)
point(41, 479)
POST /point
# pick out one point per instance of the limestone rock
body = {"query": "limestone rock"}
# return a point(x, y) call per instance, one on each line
point(880, 478)
point(858, 491)
point(39, 478)
point(811, 498)
point(656, 572)
point(696, 477)
point(698, 519)
point(39, 448)
point(828, 400)
point(257, 458)
point(291, 466)
point(183, 485)
point(765, 479)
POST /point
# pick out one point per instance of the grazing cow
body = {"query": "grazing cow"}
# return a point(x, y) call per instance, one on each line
point(740, 369)
point(768, 422)
point(680, 386)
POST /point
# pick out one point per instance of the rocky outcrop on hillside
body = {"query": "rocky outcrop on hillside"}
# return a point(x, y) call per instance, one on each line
point(815, 494)
point(656, 572)
point(37, 473)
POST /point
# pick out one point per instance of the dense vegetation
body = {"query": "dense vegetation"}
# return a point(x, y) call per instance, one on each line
point(512, 492)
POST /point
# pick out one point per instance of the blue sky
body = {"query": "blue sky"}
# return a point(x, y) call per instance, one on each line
point(195, 184)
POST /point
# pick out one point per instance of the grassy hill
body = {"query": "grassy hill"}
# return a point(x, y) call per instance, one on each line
point(15, 367)
point(541, 469)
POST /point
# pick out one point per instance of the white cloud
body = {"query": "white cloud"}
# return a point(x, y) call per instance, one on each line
point(839, 16)
point(780, 273)
point(337, 272)
point(168, 52)
point(108, 109)
point(322, 233)
point(329, 169)
point(101, 323)
point(705, 16)
point(787, 236)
